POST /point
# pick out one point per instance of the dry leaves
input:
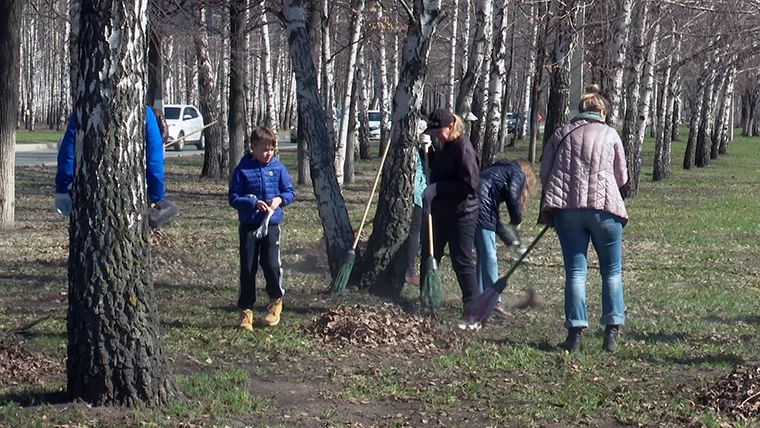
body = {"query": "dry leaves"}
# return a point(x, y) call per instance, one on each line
point(19, 366)
point(737, 395)
point(376, 326)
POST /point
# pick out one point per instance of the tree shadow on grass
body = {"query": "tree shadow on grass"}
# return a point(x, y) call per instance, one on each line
point(728, 359)
point(544, 345)
point(27, 398)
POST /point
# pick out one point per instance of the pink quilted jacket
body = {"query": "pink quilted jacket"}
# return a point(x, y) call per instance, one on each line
point(585, 171)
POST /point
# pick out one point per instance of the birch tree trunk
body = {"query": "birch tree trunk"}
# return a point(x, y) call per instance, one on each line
point(721, 98)
point(558, 107)
point(357, 8)
point(331, 207)
point(155, 96)
point(725, 132)
point(115, 352)
point(10, 58)
point(617, 52)
point(691, 145)
point(498, 74)
point(382, 269)
point(385, 111)
point(314, 29)
point(236, 115)
point(328, 77)
point(270, 117)
point(466, 27)
point(706, 119)
point(660, 170)
point(530, 65)
point(477, 55)
point(361, 82)
point(453, 51)
point(535, 91)
point(633, 158)
point(214, 157)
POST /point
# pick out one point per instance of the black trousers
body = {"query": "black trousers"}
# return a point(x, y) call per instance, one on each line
point(413, 241)
point(459, 233)
point(265, 251)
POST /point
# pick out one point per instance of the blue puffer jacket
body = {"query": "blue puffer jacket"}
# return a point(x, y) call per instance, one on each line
point(252, 181)
point(154, 158)
point(420, 181)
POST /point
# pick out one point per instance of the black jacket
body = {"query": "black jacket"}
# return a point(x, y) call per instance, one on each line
point(501, 182)
point(455, 171)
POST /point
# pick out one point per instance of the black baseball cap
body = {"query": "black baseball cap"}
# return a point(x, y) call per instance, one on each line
point(441, 118)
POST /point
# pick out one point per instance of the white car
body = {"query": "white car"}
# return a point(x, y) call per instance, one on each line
point(373, 117)
point(182, 120)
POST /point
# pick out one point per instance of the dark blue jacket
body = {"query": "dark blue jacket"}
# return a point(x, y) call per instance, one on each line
point(154, 158)
point(503, 181)
point(252, 181)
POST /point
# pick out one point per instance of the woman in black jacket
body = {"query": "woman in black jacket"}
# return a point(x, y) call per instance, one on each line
point(451, 196)
point(510, 182)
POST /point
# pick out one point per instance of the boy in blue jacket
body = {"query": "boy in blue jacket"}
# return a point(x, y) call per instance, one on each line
point(259, 188)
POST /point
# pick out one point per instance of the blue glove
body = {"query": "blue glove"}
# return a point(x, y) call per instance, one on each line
point(63, 203)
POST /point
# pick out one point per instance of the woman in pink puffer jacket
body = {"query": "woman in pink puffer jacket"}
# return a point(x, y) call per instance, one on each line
point(582, 169)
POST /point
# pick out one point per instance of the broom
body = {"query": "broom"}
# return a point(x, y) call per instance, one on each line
point(339, 283)
point(481, 307)
point(430, 289)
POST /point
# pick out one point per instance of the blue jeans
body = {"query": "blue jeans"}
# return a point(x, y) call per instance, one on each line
point(487, 266)
point(574, 229)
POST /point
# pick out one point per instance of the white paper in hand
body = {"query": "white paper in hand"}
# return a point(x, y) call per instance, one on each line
point(263, 230)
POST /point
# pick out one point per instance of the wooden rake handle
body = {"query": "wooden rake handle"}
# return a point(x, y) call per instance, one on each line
point(371, 195)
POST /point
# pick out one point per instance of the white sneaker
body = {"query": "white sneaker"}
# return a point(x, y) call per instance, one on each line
point(520, 250)
point(467, 324)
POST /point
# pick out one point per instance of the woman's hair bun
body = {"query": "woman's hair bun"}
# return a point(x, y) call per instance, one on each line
point(593, 89)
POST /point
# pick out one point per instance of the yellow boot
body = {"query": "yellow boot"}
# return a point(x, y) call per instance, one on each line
point(246, 319)
point(273, 312)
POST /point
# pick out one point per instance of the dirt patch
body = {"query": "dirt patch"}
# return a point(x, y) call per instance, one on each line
point(737, 395)
point(383, 325)
point(20, 366)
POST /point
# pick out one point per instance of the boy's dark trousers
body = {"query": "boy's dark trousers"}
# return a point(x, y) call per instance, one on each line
point(252, 252)
point(459, 233)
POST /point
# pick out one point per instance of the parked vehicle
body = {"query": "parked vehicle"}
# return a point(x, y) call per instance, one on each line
point(182, 120)
point(374, 119)
point(513, 120)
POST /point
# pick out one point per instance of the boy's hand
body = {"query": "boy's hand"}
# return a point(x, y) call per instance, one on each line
point(262, 206)
point(276, 202)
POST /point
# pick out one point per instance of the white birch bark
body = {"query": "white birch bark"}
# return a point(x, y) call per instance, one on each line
point(330, 204)
point(328, 76)
point(270, 118)
point(617, 53)
point(531, 65)
point(724, 134)
point(10, 57)
point(659, 169)
point(357, 8)
point(453, 52)
point(498, 73)
point(466, 93)
point(385, 125)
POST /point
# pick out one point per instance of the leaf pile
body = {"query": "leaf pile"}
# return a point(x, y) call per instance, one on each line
point(19, 366)
point(378, 326)
point(737, 395)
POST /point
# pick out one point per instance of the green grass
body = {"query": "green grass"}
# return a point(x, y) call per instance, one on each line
point(690, 281)
point(47, 136)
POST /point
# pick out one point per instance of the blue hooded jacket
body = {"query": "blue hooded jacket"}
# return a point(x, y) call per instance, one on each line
point(154, 158)
point(252, 181)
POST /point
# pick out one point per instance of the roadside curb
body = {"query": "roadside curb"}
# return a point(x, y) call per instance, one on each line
point(35, 147)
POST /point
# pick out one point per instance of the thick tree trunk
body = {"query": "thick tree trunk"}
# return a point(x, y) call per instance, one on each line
point(725, 132)
point(382, 269)
point(696, 118)
point(721, 97)
point(332, 208)
point(558, 107)
point(341, 151)
point(477, 56)
point(617, 53)
point(498, 73)
point(236, 114)
point(214, 157)
point(10, 57)
point(115, 354)
point(314, 28)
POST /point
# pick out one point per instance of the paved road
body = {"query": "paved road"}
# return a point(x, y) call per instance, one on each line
point(49, 156)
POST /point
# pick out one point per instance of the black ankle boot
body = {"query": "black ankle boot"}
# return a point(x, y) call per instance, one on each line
point(610, 338)
point(573, 341)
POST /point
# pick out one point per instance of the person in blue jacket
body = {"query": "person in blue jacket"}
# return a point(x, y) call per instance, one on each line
point(260, 187)
point(511, 183)
point(154, 163)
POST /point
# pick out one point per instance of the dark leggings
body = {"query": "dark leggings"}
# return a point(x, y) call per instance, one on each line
point(413, 240)
point(459, 233)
